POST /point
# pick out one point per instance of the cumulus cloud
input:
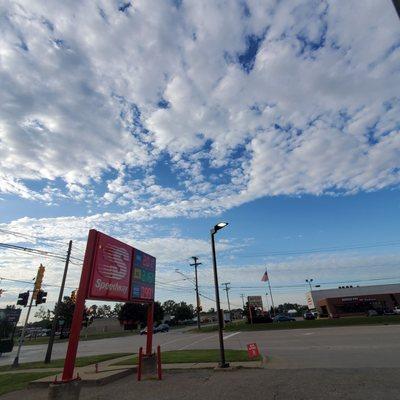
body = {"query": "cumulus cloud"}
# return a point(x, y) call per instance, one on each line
point(231, 101)
point(247, 99)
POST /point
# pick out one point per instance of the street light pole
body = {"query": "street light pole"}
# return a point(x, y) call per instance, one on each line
point(242, 296)
point(196, 264)
point(223, 363)
point(309, 282)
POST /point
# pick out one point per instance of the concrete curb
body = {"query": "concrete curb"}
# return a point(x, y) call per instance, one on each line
point(88, 380)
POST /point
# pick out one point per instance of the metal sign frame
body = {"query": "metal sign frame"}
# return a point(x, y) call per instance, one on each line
point(85, 291)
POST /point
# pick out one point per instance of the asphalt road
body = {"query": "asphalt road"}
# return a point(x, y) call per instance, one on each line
point(337, 347)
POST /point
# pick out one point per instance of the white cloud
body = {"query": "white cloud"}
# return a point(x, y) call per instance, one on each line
point(98, 104)
point(81, 83)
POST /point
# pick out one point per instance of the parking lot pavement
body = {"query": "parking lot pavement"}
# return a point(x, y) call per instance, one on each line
point(307, 384)
point(375, 346)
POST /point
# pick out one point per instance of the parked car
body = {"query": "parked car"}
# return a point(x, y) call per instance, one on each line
point(156, 329)
point(308, 315)
point(372, 313)
point(283, 318)
point(162, 328)
point(396, 310)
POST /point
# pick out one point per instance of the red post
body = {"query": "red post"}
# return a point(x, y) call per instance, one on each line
point(69, 364)
point(159, 370)
point(139, 369)
point(150, 323)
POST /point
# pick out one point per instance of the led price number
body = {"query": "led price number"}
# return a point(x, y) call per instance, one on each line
point(146, 292)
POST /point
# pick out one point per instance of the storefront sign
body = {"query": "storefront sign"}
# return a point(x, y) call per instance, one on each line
point(255, 301)
point(10, 315)
point(111, 269)
point(120, 272)
point(143, 277)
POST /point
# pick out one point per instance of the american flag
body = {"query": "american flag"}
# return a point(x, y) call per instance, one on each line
point(265, 276)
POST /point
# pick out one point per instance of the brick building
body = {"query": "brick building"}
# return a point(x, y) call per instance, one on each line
point(351, 301)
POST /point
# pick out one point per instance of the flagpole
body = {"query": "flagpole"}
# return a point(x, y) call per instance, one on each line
point(270, 291)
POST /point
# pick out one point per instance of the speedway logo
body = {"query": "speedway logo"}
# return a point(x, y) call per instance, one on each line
point(113, 287)
point(116, 262)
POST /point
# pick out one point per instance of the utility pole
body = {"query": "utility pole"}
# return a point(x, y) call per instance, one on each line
point(227, 288)
point(195, 265)
point(57, 308)
point(242, 296)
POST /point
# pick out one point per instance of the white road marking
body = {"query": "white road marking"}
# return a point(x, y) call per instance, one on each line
point(232, 334)
point(308, 333)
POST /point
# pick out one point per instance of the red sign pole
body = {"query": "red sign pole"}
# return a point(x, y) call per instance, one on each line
point(150, 323)
point(159, 368)
point(69, 364)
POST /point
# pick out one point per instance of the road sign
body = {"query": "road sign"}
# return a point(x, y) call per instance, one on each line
point(255, 301)
point(10, 315)
point(252, 350)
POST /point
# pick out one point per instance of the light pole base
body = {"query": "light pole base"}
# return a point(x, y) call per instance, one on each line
point(223, 365)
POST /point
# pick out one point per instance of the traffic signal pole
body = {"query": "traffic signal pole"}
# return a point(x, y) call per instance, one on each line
point(57, 308)
point(21, 338)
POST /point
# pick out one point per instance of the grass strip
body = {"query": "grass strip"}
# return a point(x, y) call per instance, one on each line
point(316, 323)
point(59, 363)
point(83, 338)
point(195, 356)
point(11, 382)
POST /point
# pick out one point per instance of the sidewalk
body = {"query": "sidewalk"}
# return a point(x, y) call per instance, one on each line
point(107, 372)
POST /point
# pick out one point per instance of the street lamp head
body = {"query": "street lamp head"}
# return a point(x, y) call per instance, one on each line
point(219, 226)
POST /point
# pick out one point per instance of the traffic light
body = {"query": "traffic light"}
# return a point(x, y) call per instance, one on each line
point(41, 297)
point(23, 299)
point(39, 279)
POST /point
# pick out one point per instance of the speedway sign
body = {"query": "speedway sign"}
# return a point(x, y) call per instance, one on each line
point(120, 272)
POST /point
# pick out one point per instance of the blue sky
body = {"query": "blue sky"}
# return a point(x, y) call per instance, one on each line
point(152, 120)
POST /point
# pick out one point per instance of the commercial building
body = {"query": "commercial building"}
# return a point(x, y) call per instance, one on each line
point(357, 300)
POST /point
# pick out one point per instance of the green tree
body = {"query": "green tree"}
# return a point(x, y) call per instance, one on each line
point(169, 307)
point(135, 315)
point(117, 309)
point(184, 311)
point(44, 316)
point(65, 313)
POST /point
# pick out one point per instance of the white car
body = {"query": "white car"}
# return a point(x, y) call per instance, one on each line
point(396, 310)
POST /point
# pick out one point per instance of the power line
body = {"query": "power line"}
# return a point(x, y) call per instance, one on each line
point(43, 253)
point(26, 236)
point(2, 278)
point(322, 249)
